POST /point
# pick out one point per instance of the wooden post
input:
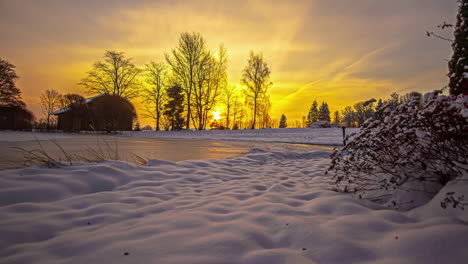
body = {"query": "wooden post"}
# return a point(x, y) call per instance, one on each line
point(344, 135)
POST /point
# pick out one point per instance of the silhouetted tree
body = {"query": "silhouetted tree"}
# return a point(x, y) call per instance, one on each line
point(70, 99)
point(228, 97)
point(185, 63)
point(412, 96)
point(313, 115)
point(137, 126)
point(116, 75)
point(154, 96)
point(324, 112)
point(458, 65)
point(237, 112)
point(264, 108)
point(147, 127)
point(393, 101)
point(349, 116)
point(256, 77)
point(9, 94)
point(362, 112)
point(175, 107)
point(50, 102)
point(13, 112)
point(379, 114)
point(283, 123)
point(336, 117)
point(210, 80)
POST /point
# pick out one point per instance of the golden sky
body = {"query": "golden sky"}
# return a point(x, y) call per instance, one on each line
point(338, 51)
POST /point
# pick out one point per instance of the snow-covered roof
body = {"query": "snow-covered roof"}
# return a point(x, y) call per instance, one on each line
point(67, 108)
point(319, 123)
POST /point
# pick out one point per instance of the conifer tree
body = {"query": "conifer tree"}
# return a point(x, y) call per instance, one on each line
point(313, 115)
point(283, 123)
point(324, 112)
point(175, 107)
point(137, 126)
point(458, 65)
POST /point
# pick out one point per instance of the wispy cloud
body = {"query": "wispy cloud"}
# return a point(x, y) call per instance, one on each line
point(337, 51)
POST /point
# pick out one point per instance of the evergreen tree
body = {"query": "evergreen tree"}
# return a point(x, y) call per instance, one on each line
point(175, 107)
point(137, 126)
point(313, 115)
point(458, 65)
point(324, 112)
point(379, 114)
point(283, 123)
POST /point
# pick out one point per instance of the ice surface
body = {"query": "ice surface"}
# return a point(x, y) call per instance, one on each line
point(316, 136)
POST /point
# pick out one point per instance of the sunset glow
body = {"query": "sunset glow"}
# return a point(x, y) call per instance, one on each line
point(217, 115)
point(340, 52)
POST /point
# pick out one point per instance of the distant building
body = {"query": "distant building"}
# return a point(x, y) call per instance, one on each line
point(99, 113)
point(321, 124)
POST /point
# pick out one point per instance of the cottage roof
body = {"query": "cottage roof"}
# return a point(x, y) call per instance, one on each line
point(68, 107)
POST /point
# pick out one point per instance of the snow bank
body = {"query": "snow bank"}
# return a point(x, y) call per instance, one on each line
point(315, 136)
point(264, 207)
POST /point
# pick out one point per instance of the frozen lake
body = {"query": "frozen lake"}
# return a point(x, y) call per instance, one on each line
point(147, 148)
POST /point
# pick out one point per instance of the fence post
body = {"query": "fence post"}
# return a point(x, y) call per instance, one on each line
point(344, 135)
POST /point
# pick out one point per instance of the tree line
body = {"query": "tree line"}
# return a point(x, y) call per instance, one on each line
point(183, 91)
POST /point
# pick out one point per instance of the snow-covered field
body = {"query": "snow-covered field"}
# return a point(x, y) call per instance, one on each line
point(262, 207)
point(315, 136)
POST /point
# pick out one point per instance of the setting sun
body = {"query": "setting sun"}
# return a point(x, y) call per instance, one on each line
point(216, 115)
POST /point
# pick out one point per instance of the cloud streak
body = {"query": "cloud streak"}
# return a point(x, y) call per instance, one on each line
point(335, 51)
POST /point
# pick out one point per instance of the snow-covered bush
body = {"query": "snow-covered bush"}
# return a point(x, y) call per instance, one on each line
point(404, 160)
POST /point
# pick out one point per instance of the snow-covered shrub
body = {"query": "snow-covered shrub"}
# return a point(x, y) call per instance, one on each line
point(404, 160)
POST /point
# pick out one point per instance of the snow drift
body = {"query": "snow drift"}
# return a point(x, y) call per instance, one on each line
point(264, 207)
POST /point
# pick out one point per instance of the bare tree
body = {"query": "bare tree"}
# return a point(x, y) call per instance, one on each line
point(218, 81)
point(229, 96)
point(237, 111)
point(336, 117)
point(185, 62)
point(69, 99)
point(211, 79)
point(349, 116)
point(50, 102)
point(256, 77)
point(116, 75)
point(155, 97)
point(9, 93)
point(264, 107)
point(203, 88)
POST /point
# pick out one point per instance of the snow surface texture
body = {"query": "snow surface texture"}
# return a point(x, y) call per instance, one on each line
point(263, 207)
point(315, 136)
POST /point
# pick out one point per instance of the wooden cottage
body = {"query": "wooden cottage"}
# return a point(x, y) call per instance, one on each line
point(99, 113)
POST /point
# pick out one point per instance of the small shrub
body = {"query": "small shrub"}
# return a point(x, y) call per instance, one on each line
point(404, 160)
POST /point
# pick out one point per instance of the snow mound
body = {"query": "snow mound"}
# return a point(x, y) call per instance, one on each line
point(263, 207)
